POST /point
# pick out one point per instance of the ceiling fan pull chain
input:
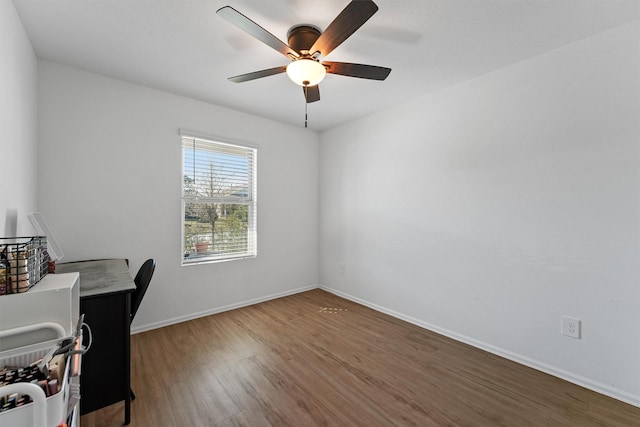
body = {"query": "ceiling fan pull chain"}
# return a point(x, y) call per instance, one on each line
point(306, 87)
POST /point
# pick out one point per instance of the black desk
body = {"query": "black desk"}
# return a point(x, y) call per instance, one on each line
point(105, 301)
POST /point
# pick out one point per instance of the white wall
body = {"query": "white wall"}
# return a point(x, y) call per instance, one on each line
point(110, 185)
point(18, 81)
point(489, 210)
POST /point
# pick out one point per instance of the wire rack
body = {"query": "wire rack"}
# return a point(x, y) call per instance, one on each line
point(24, 261)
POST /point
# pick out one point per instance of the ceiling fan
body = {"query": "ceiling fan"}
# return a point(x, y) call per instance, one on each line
point(307, 44)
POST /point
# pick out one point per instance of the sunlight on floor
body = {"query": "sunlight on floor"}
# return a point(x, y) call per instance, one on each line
point(331, 310)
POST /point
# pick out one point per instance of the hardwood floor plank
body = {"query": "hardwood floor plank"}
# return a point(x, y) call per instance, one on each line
point(609, 411)
point(314, 359)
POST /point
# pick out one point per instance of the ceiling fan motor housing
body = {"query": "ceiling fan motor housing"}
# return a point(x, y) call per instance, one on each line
point(302, 37)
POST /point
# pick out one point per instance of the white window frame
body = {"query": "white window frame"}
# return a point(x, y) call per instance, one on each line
point(191, 144)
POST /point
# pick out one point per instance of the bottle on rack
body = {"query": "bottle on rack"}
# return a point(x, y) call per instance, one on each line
point(4, 274)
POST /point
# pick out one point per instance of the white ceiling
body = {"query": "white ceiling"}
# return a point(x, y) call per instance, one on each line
point(183, 47)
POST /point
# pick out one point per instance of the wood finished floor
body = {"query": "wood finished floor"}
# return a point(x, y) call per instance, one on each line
point(314, 359)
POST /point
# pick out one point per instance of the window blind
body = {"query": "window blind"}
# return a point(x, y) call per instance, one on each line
point(219, 200)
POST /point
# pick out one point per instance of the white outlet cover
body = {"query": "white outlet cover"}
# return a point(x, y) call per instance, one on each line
point(571, 327)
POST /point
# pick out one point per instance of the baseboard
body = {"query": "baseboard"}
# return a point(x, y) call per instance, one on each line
point(191, 316)
point(543, 367)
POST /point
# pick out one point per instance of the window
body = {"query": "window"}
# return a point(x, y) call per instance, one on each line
point(218, 201)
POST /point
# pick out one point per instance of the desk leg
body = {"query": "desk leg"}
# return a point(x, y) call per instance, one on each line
point(127, 362)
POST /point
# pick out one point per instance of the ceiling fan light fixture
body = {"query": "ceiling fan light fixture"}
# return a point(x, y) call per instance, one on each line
point(306, 72)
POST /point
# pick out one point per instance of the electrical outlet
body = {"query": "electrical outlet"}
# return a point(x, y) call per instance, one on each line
point(571, 327)
point(341, 268)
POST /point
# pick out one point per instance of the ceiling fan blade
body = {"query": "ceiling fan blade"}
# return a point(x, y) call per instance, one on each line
point(361, 71)
point(250, 27)
point(258, 74)
point(311, 93)
point(346, 23)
